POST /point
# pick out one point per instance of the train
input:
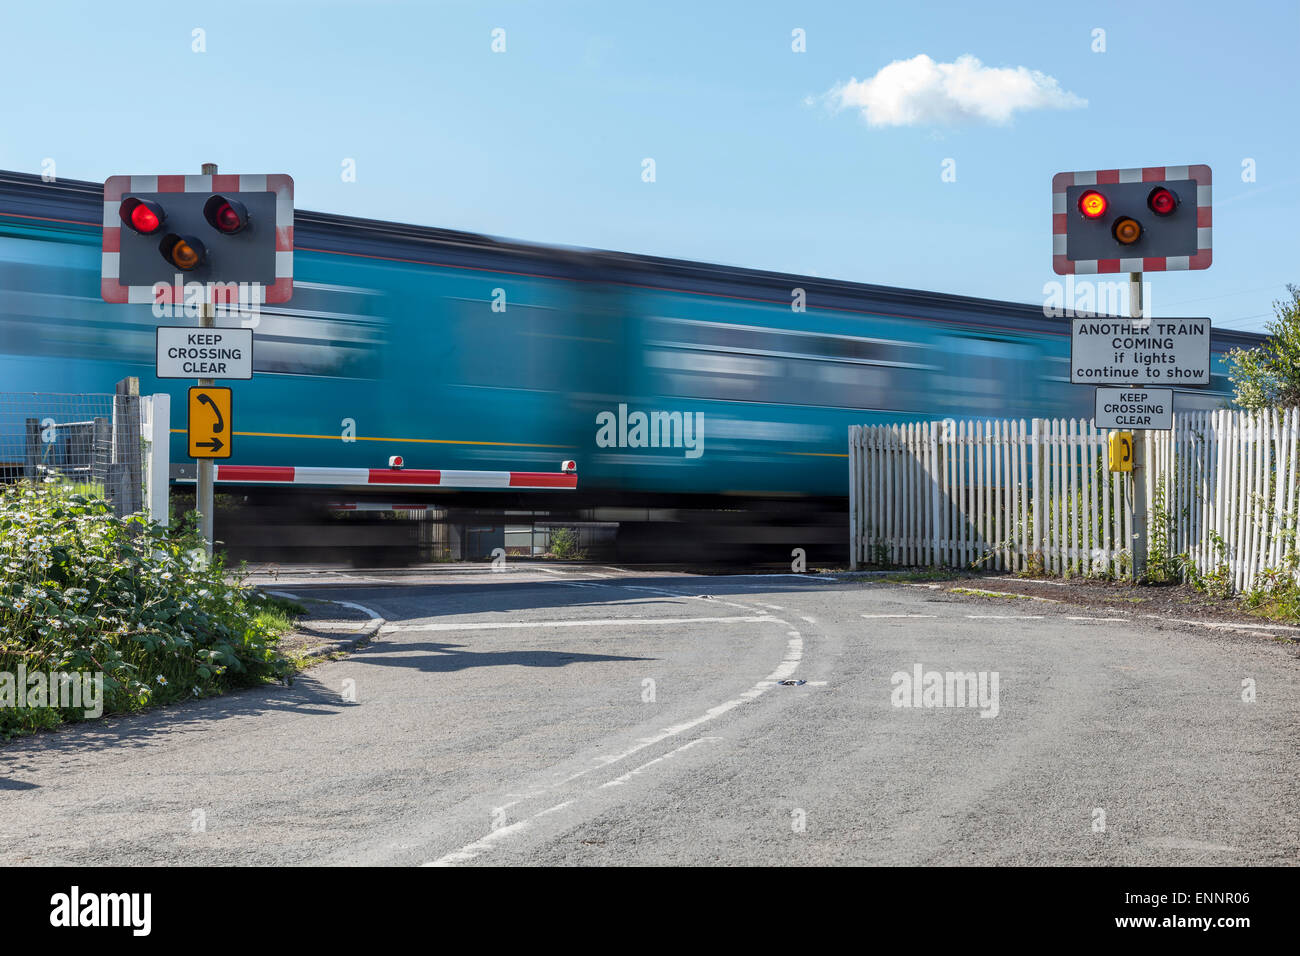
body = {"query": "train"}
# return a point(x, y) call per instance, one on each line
point(701, 403)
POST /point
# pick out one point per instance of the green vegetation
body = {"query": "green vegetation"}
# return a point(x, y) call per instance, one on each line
point(84, 591)
point(1269, 376)
point(564, 544)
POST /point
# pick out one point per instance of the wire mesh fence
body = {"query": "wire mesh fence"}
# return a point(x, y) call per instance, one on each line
point(89, 442)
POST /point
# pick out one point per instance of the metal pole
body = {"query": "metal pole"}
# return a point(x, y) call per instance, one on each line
point(1140, 497)
point(203, 495)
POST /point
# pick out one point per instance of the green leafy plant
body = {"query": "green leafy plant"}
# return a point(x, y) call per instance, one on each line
point(1269, 376)
point(84, 591)
point(564, 544)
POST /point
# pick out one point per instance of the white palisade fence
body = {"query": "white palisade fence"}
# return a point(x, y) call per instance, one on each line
point(1015, 495)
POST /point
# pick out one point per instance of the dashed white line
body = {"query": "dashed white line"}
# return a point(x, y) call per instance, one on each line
point(885, 617)
point(793, 656)
point(584, 622)
point(479, 846)
point(619, 781)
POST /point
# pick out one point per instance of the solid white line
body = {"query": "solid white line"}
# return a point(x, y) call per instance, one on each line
point(597, 622)
point(374, 615)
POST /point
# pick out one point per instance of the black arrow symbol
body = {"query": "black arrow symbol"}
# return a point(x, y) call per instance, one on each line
point(216, 444)
point(220, 426)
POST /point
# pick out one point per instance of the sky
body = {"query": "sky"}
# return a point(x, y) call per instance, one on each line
point(908, 144)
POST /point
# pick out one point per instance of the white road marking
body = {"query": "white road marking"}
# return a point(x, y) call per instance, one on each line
point(374, 615)
point(793, 656)
point(619, 781)
point(1005, 617)
point(806, 619)
point(1121, 620)
point(1224, 625)
point(586, 622)
point(872, 617)
point(479, 846)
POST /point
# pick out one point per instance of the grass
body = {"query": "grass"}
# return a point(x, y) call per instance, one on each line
point(923, 574)
point(279, 615)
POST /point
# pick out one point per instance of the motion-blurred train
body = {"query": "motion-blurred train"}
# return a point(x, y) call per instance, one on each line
point(460, 351)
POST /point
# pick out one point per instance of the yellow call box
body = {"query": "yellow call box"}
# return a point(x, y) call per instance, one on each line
point(209, 422)
point(1121, 451)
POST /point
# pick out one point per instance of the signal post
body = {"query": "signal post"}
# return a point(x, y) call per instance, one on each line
point(1138, 220)
point(231, 237)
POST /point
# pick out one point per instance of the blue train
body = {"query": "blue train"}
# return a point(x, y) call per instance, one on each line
point(680, 388)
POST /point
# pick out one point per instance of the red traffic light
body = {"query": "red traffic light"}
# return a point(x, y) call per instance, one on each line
point(184, 252)
point(227, 216)
point(1161, 201)
point(1126, 230)
point(1092, 204)
point(142, 215)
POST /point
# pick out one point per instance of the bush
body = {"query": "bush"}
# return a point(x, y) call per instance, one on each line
point(82, 590)
point(564, 544)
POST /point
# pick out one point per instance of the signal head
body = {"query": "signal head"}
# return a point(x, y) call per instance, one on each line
point(1161, 201)
point(184, 252)
point(1126, 230)
point(1092, 204)
point(227, 216)
point(143, 215)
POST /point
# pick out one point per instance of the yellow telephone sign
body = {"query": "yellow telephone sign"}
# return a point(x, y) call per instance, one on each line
point(1121, 451)
point(210, 423)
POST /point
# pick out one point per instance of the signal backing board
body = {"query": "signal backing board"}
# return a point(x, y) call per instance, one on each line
point(260, 255)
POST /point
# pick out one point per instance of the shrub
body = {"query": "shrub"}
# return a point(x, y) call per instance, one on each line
point(82, 590)
point(564, 543)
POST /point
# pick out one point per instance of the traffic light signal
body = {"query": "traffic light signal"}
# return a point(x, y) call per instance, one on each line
point(1147, 219)
point(219, 230)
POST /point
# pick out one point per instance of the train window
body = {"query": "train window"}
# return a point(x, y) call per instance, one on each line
point(731, 362)
point(329, 330)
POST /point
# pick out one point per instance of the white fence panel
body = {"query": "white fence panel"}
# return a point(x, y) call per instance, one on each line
point(1222, 486)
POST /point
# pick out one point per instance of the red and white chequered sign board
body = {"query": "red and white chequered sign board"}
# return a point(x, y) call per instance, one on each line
point(115, 187)
point(1141, 174)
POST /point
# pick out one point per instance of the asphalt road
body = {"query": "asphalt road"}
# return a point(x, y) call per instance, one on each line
point(563, 717)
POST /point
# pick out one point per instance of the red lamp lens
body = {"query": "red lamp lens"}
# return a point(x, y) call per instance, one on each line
point(1092, 204)
point(144, 219)
point(1162, 201)
point(227, 218)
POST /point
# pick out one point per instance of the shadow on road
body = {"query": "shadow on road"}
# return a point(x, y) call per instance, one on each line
point(442, 658)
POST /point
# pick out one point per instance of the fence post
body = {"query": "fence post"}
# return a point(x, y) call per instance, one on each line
point(855, 476)
point(158, 464)
point(1037, 489)
point(126, 447)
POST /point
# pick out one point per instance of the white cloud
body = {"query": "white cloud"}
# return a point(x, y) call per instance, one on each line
point(921, 92)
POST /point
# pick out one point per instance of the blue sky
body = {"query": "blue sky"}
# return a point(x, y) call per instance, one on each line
point(754, 164)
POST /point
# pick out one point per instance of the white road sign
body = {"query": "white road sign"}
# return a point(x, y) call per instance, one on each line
point(187, 352)
point(1134, 408)
point(1117, 351)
